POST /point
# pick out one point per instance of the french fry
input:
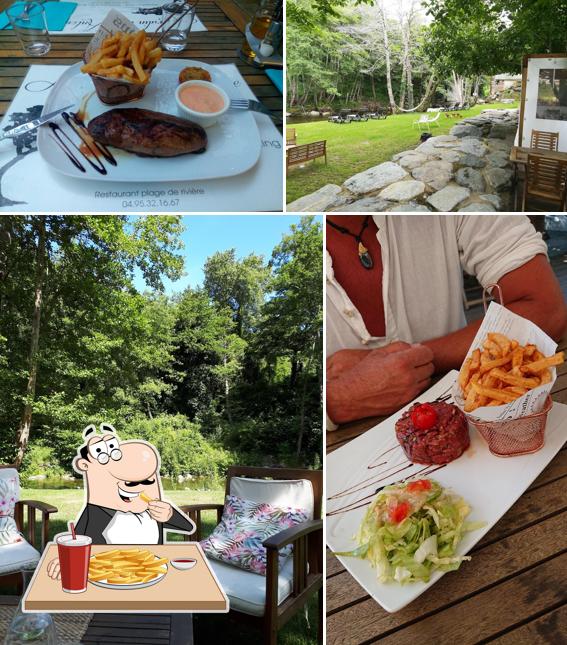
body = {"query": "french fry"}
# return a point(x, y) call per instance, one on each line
point(126, 566)
point(471, 400)
point(464, 375)
point(129, 57)
point(497, 362)
point(493, 348)
point(475, 363)
point(489, 392)
point(502, 371)
point(502, 341)
point(543, 363)
point(518, 381)
point(520, 391)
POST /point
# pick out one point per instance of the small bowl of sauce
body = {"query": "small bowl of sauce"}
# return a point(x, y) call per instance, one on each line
point(201, 101)
point(183, 563)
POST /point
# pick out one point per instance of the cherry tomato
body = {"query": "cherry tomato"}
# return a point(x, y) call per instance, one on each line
point(399, 512)
point(424, 416)
point(419, 485)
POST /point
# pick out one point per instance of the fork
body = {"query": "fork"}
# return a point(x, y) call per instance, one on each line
point(248, 104)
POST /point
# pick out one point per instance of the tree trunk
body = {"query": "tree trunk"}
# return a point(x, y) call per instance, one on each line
point(40, 270)
point(227, 394)
point(301, 431)
point(409, 84)
point(387, 60)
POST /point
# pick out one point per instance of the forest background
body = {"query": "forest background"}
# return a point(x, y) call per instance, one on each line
point(409, 54)
point(225, 372)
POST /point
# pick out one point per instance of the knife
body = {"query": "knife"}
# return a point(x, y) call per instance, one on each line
point(32, 125)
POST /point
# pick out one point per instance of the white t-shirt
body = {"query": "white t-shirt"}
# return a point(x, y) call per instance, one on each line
point(423, 258)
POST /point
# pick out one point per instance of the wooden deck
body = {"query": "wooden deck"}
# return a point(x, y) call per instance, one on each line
point(140, 629)
point(225, 22)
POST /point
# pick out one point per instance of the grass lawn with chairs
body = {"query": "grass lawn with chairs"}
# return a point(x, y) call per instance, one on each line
point(208, 628)
point(353, 147)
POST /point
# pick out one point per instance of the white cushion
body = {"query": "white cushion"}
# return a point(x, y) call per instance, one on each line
point(297, 493)
point(7, 473)
point(246, 590)
point(18, 556)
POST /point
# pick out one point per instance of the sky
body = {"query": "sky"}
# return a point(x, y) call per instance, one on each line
point(206, 234)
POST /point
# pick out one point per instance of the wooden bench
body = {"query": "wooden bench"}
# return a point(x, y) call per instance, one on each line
point(290, 137)
point(306, 152)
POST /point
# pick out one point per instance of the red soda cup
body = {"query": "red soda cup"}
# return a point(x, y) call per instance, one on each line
point(74, 558)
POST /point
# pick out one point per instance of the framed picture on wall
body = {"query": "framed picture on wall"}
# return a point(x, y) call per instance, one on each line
point(544, 98)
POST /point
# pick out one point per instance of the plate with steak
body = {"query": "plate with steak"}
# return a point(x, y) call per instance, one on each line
point(146, 140)
point(433, 433)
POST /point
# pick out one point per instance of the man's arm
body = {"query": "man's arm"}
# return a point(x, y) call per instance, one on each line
point(180, 522)
point(532, 291)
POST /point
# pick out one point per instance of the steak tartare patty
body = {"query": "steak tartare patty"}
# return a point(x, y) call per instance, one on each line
point(433, 433)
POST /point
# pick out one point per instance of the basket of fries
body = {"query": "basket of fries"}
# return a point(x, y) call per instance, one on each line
point(520, 436)
point(504, 383)
point(119, 59)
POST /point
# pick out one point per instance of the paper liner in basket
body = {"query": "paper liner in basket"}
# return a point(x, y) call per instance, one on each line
point(113, 23)
point(113, 91)
point(502, 320)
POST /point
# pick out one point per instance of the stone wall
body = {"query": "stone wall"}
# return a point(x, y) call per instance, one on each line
point(467, 170)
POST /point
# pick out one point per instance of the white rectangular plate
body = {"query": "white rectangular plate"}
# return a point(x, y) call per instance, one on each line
point(234, 143)
point(489, 484)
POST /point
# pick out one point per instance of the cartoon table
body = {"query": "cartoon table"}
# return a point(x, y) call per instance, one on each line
point(193, 590)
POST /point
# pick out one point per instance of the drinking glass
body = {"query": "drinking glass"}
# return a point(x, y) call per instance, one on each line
point(74, 553)
point(30, 628)
point(29, 23)
point(174, 16)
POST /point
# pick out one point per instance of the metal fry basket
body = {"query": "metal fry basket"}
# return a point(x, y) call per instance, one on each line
point(520, 436)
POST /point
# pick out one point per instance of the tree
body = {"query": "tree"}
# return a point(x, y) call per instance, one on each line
point(238, 285)
point(209, 354)
point(292, 321)
point(70, 290)
point(475, 37)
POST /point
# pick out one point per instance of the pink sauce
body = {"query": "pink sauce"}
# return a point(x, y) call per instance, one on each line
point(201, 98)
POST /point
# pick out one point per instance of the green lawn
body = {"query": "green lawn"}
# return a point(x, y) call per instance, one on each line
point(354, 147)
point(208, 628)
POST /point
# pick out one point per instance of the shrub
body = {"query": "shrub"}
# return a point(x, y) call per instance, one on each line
point(182, 447)
point(40, 459)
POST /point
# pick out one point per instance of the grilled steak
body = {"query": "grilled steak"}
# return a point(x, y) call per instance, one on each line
point(147, 133)
point(441, 443)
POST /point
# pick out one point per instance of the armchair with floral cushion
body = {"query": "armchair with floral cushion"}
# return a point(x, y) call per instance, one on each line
point(267, 550)
point(16, 552)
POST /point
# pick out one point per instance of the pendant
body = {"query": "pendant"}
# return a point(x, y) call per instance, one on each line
point(365, 257)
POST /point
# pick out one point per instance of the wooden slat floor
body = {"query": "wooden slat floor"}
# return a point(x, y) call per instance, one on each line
point(513, 592)
point(140, 629)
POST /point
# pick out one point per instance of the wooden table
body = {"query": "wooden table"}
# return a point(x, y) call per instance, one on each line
point(194, 590)
point(513, 592)
point(224, 20)
point(519, 154)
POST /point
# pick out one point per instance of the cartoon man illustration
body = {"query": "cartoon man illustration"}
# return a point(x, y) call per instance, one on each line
point(124, 502)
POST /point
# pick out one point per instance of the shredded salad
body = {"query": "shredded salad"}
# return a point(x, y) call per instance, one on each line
point(411, 530)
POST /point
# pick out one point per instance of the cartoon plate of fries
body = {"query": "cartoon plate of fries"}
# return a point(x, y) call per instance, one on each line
point(126, 568)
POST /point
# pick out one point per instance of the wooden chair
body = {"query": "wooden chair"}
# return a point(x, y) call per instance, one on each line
point(23, 554)
point(306, 152)
point(290, 137)
point(542, 140)
point(545, 180)
point(264, 485)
